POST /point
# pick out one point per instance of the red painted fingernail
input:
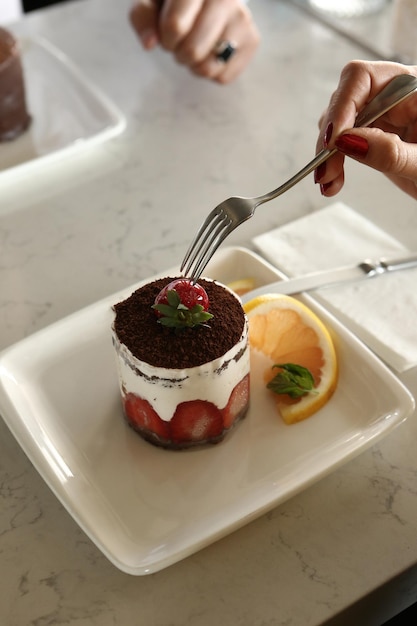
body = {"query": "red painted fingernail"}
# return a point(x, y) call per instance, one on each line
point(319, 172)
point(352, 145)
point(328, 134)
point(324, 187)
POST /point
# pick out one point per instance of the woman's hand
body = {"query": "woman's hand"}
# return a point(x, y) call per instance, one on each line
point(389, 145)
point(192, 29)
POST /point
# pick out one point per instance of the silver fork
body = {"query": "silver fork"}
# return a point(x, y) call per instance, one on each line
point(231, 213)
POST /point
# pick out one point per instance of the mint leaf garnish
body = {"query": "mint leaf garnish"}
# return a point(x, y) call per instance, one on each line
point(293, 380)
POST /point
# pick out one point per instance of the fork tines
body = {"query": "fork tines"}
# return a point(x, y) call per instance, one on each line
point(210, 235)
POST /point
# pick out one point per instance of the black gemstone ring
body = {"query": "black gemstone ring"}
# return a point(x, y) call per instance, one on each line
point(224, 51)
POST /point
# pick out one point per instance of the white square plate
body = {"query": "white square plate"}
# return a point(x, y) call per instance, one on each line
point(146, 507)
point(68, 112)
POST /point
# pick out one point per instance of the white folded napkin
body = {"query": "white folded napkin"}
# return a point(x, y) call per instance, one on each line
point(382, 311)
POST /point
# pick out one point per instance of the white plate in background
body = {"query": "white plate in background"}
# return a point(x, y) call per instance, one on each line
point(146, 508)
point(68, 112)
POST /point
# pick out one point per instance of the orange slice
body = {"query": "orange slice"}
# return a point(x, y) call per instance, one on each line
point(286, 331)
point(242, 285)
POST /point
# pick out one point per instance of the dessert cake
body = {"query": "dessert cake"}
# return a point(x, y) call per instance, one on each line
point(189, 385)
point(14, 117)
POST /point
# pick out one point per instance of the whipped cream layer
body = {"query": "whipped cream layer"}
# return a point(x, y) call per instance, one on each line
point(165, 388)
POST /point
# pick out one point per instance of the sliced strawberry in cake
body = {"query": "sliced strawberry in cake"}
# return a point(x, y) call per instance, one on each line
point(142, 417)
point(238, 403)
point(196, 420)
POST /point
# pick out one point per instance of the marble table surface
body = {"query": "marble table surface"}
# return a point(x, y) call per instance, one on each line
point(342, 551)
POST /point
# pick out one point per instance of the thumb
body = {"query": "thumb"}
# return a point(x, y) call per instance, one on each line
point(144, 19)
point(383, 151)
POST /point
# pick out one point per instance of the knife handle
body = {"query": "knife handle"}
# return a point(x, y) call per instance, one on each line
point(400, 263)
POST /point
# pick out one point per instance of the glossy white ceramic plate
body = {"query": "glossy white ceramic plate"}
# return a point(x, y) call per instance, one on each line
point(146, 507)
point(68, 112)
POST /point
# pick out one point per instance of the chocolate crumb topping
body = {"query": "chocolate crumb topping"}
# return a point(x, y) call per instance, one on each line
point(136, 326)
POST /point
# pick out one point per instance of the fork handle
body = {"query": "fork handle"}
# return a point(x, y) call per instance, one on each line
point(320, 158)
point(397, 90)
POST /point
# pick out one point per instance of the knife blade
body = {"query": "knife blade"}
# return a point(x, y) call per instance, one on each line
point(368, 268)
